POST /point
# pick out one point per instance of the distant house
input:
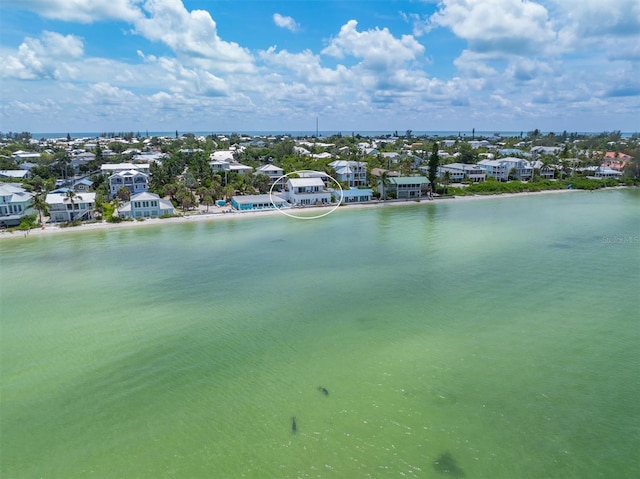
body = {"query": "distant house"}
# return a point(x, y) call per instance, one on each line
point(546, 150)
point(14, 174)
point(240, 168)
point(111, 168)
point(15, 202)
point(353, 173)
point(82, 186)
point(275, 174)
point(307, 191)
point(545, 171)
point(223, 155)
point(407, 187)
point(146, 205)
point(604, 172)
point(615, 160)
point(135, 181)
point(258, 202)
point(25, 155)
point(230, 166)
point(62, 208)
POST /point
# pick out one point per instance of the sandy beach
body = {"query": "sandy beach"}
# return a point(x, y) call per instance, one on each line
point(221, 214)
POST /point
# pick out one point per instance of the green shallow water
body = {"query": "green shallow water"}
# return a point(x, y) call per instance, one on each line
point(487, 339)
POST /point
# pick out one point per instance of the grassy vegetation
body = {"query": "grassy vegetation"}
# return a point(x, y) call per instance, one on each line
point(494, 187)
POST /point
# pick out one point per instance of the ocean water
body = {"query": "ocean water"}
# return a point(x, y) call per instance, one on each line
point(481, 339)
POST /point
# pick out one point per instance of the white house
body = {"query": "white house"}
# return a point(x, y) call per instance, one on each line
point(222, 155)
point(307, 191)
point(25, 155)
point(146, 205)
point(495, 169)
point(603, 172)
point(523, 170)
point(275, 174)
point(15, 202)
point(240, 168)
point(78, 208)
point(353, 173)
point(136, 181)
point(111, 168)
point(460, 171)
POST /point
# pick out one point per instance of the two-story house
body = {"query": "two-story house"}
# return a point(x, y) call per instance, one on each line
point(407, 187)
point(275, 174)
point(146, 205)
point(307, 192)
point(15, 202)
point(135, 181)
point(353, 173)
point(460, 171)
point(78, 207)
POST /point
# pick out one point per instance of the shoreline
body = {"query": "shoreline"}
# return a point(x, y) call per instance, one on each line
point(219, 215)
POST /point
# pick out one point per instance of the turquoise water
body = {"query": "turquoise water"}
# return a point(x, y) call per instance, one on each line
point(482, 339)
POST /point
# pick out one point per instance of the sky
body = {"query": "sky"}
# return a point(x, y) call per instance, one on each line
point(345, 65)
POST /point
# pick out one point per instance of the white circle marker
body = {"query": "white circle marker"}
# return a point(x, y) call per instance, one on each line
point(312, 217)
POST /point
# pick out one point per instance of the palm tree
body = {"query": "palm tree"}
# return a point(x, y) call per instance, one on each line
point(70, 195)
point(40, 204)
point(384, 183)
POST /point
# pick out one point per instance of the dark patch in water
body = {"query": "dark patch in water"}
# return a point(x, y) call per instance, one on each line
point(446, 464)
point(294, 426)
point(323, 390)
point(560, 245)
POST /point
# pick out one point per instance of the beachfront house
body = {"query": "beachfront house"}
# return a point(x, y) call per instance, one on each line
point(352, 173)
point(78, 207)
point(307, 192)
point(494, 169)
point(135, 181)
point(458, 172)
point(518, 168)
point(605, 172)
point(353, 195)
point(258, 202)
point(406, 187)
point(15, 202)
point(146, 205)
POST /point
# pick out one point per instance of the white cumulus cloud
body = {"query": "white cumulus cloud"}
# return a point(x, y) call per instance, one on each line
point(49, 56)
point(285, 22)
point(498, 26)
point(83, 11)
point(378, 48)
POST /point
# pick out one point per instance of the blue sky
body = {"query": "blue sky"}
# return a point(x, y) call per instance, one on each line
point(236, 65)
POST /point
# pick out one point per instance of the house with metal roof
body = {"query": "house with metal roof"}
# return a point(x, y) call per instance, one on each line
point(407, 187)
point(258, 202)
point(146, 205)
point(275, 174)
point(353, 173)
point(135, 181)
point(353, 195)
point(15, 202)
point(307, 192)
point(63, 208)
